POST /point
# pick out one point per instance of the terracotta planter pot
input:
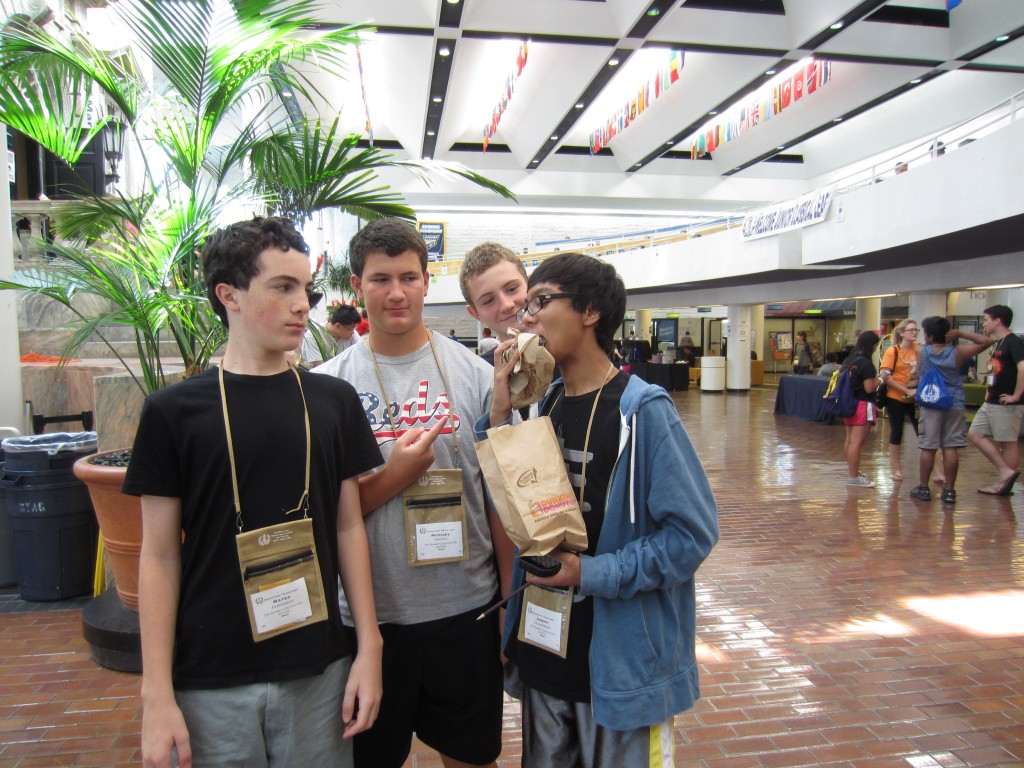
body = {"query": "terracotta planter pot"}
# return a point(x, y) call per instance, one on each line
point(120, 519)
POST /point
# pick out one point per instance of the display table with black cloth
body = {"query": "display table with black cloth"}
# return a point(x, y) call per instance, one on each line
point(671, 376)
point(803, 396)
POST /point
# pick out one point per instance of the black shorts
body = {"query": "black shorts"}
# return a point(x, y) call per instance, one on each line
point(443, 682)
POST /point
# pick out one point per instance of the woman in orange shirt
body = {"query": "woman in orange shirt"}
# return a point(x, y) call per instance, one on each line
point(898, 370)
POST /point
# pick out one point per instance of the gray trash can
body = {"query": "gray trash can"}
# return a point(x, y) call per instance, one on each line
point(53, 528)
point(8, 570)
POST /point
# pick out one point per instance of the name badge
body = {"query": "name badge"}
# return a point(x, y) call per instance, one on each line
point(544, 621)
point(435, 519)
point(281, 578)
point(281, 605)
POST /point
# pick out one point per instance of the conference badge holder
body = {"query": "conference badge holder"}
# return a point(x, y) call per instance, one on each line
point(544, 620)
point(435, 519)
point(281, 578)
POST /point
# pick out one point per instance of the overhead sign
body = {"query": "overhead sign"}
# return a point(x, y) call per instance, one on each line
point(809, 209)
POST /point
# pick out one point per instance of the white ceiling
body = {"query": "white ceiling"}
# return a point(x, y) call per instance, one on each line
point(727, 47)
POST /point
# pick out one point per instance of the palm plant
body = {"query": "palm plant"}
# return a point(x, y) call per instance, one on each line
point(209, 116)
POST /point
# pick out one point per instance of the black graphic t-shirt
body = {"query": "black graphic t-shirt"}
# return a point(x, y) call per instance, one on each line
point(569, 678)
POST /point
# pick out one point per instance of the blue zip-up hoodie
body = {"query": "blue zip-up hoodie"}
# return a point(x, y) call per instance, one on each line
point(660, 524)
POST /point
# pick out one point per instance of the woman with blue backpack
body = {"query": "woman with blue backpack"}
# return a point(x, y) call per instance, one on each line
point(940, 393)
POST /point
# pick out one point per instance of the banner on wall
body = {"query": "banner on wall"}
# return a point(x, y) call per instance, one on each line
point(522, 54)
point(796, 83)
point(432, 233)
point(809, 209)
point(650, 90)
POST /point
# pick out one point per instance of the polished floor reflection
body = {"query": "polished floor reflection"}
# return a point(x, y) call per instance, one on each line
point(838, 626)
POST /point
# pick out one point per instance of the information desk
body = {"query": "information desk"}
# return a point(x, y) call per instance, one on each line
point(802, 396)
point(671, 376)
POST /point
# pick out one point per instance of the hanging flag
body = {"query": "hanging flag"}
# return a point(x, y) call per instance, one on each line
point(522, 54)
point(951, 4)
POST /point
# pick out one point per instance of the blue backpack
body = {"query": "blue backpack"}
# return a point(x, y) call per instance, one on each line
point(839, 397)
point(932, 391)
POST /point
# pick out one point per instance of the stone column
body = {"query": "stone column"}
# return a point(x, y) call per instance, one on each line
point(737, 364)
point(643, 324)
point(869, 315)
point(12, 401)
point(924, 305)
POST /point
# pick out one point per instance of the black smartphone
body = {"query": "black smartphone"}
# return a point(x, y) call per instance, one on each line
point(540, 565)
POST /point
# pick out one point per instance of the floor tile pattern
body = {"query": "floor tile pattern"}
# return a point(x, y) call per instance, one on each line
point(838, 626)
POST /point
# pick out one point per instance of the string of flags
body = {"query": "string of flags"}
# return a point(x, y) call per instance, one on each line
point(646, 94)
point(506, 95)
point(762, 106)
point(366, 103)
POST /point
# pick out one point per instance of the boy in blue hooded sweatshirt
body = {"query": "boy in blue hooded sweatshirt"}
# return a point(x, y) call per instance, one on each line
point(604, 694)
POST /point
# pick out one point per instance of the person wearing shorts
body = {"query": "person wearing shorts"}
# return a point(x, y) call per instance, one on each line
point(944, 430)
point(858, 426)
point(421, 395)
point(226, 454)
point(995, 430)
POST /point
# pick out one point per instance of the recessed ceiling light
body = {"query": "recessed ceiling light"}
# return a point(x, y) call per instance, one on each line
point(579, 105)
point(713, 112)
point(669, 143)
point(446, 51)
point(837, 25)
point(837, 119)
point(613, 62)
point(287, 94)
point(915, 81)
point(782, 147)
point(431, 133)
point(654, 12)
point(453, 2)
point(770, 72)
point(436, 99)
point(426, 157)
point(534, 161)
point(1002, 38)
point(554, 138)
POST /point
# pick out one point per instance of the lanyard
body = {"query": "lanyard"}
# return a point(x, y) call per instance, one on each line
point(590, 423)
point(444, 380)
point(304, 499)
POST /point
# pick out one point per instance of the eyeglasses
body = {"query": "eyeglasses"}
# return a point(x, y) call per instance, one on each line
point(910, 330)
point(537, 303)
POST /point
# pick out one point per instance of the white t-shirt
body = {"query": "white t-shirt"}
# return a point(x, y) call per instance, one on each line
point(418, 397)
point(487, 343)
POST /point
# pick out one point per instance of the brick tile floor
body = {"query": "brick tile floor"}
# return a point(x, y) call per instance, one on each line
point(838, 627)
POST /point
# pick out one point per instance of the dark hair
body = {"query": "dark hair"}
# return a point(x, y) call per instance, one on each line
point(345, 315)
point(831, 357)
point(866, 343)
point(935, 328)
point(1002, 313)
point(231, 255)
point(391, 237)
point(593, 284)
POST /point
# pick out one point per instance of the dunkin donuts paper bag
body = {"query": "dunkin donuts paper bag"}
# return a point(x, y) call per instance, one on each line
point(526, 477)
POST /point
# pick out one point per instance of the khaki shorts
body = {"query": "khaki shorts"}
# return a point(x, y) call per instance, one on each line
point(942, 429)
point(1000, 422)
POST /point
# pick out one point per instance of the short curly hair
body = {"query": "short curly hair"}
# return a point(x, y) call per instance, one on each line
point(231, 255)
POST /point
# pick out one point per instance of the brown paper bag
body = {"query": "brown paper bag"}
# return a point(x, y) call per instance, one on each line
point(532, 373)
point(526, 477)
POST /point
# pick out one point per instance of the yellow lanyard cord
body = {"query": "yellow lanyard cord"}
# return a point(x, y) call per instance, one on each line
point(444, 380)
point(303, 500)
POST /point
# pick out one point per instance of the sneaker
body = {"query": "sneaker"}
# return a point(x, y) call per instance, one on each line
point(860, 482)
point(921, 493)
point(949, 496)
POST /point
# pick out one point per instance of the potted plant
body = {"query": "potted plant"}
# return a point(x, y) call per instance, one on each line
point(211, 130)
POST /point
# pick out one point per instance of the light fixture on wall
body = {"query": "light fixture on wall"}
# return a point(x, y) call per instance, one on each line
point(113, 148)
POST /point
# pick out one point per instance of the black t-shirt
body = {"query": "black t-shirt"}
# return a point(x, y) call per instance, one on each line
point(861, 370)
point(569, 678)
point(181, 452)
point(1005, 357)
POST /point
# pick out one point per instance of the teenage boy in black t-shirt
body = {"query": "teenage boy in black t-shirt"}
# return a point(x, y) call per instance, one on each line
point(233, 451)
